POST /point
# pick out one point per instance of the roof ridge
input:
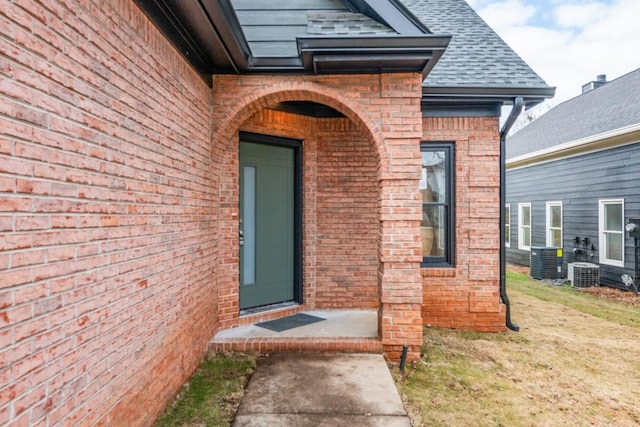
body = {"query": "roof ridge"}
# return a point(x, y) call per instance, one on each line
point(614, 105)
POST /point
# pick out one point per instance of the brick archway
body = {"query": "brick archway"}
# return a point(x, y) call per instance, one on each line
point(383, 110)
point(228, 122)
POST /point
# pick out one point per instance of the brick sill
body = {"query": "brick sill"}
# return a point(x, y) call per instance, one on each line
point(438, 272)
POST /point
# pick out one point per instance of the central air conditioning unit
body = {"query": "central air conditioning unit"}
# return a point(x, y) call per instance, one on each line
point(546, 263)
point(583, 274)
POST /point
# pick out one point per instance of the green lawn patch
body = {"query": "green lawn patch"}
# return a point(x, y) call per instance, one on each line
point(212, 395)
point(574, 298)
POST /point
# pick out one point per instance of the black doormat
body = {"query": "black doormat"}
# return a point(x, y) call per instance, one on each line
point(290, 322)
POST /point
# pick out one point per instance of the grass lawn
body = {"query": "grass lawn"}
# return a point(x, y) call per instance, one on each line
point(574, 362)
point(570, 297)
point(212, 395)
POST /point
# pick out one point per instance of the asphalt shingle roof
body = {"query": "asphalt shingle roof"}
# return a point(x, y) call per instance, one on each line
point(346, 23)
point(476, 55)
point(612, 106)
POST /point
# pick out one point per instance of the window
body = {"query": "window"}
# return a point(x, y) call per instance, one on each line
point(507, 225)
point(436, 188)
point(611, 232)
point(554, 224)
point(524, 226)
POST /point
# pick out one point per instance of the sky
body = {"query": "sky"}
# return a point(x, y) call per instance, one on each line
point(568, 42)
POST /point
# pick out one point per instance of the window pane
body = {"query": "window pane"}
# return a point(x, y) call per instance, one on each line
point(526, 215)
point(556, 216)
point(434, 230)
point(526, 236)
point(441, 231)
point(556, 238)
point(613, 217)
point(433, 184)
point(507, 234)
point(249, 225)
point(614, 246)
point(435, 188)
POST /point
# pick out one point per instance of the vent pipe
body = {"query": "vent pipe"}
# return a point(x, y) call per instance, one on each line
point(601, 80)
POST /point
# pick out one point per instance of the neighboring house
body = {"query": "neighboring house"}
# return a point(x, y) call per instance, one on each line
point(170, 169)
point(572, 179)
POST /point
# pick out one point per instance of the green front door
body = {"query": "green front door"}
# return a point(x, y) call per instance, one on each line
point(267, 224)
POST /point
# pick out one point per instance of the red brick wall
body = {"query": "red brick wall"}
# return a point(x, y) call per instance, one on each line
point(467, 296)
point(107, 220)
point(348, 220)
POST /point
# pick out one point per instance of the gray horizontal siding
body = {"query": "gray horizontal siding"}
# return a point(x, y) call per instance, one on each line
point(274, 49)
point(271, 17)
point(284, 33)
point(579, 183)
point(271, 26)
point(288, 4)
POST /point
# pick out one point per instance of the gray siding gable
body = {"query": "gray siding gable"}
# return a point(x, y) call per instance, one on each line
point(612, 106)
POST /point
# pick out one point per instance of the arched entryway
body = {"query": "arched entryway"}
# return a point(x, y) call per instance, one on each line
point(342, 167)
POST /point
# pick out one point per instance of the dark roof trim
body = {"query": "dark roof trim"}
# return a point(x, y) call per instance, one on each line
point(224, 19)
point(462, 109)
point(371, 54)
point(390, 12)
point(189, 29)
point(476, 94)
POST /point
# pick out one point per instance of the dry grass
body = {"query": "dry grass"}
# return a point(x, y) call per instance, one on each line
point(213, 393)
point(565, 366)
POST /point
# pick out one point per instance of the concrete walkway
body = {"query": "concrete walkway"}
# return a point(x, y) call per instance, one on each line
point(322, 390)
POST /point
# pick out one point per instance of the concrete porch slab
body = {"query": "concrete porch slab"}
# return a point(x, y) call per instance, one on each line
point(343, 331)
point(338, 324)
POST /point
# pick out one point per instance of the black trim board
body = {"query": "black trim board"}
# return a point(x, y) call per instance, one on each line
point(188, 28)
point(449, 260)
point(391, 13)
point(462, 109)
point(456, 95)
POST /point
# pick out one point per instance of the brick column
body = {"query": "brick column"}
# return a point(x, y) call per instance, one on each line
point(400, 213)
point(401, 284)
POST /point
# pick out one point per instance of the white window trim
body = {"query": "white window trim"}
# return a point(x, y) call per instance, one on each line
point(602, 252)
point(507, 242)
point(520, 234)
point(548, 226)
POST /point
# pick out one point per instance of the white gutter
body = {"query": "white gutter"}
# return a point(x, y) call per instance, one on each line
point(603, 141)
